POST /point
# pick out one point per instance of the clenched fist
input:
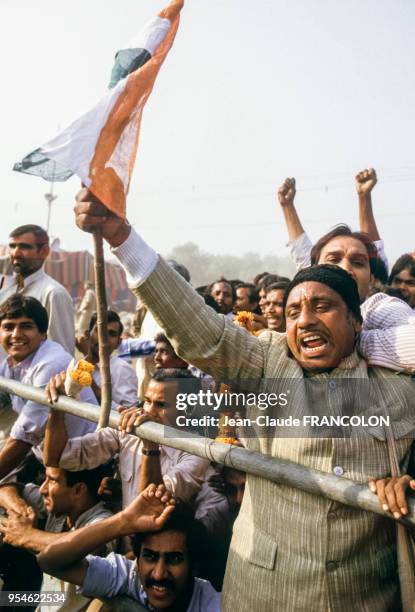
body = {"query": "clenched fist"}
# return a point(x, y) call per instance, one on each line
point(365, 181)
point(286, 193)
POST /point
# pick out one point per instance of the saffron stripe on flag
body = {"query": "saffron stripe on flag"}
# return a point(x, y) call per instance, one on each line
point(101, 146)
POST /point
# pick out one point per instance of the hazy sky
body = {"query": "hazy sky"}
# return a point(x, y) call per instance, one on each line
point(250, 93)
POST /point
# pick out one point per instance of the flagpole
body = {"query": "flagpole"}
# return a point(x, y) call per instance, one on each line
point(102, 327)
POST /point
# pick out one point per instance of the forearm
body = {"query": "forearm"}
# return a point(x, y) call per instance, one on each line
point(72, 547)
point(56, 438)
point(12, 454)
point(366, 218)
point(37, 540)
point(292, 222)
point(150, 472)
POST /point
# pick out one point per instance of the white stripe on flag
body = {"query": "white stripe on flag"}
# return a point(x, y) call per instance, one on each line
point(151, 35)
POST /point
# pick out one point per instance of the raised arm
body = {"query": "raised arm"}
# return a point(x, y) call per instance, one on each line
point(299, 243)
point(150, 468)
point(286, 195)
point(56, 435)
point(65, 558)
point(199, 335)
point(365, 182)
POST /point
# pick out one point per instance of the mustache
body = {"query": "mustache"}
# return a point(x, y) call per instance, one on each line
point(168, 584)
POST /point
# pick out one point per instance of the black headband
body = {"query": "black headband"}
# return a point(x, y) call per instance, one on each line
point(334, 277)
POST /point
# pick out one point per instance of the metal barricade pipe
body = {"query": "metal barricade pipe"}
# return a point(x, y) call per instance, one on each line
point(333, 487)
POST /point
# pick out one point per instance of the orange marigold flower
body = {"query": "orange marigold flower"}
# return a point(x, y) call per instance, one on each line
point(85, 366)
point(227, 440)
point(245, 319)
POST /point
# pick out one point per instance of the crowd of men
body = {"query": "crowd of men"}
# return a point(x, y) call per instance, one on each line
point(117, 514)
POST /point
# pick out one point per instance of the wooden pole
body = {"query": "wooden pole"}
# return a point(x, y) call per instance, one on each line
point(102, 327)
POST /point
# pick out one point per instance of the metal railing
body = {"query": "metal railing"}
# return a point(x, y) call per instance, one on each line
point(333, 487)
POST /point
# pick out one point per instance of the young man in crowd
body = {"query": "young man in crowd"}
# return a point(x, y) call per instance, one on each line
point(263, 283)
point(274, 306)
point(181, 472)
point(65, 501)
point(28, 250)
point(246, 298)
point(332, 566)
point(402, 277)
point(164, 355)
point(123, 378)
point(31, 359)
point(224, 295)
point(167, 547)
point(388, 336)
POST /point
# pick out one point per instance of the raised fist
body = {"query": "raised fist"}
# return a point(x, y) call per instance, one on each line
point(286, 193)
point(365, 181)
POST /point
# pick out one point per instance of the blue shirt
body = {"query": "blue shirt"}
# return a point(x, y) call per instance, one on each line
point(115, 575)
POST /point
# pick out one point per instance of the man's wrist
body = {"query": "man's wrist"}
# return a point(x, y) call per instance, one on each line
point(120, 236)
point(151, 451)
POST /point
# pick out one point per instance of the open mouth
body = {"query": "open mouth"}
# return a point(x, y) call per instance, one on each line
point(160, 592)
point(313, 344)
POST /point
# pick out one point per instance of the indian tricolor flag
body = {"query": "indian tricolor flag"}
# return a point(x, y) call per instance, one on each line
point(100, 147)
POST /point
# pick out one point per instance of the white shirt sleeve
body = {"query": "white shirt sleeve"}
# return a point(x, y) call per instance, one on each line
point(388, 336)
point(137, 258)
point(185, 477)
point(381, 252)
point(61, 319)
point(124, 383)
point(300, 250)
point(90, 450)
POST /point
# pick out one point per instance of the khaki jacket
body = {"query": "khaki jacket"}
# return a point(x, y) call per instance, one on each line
point(293, 551)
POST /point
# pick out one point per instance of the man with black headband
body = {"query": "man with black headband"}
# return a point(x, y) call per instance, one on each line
point(290, 550)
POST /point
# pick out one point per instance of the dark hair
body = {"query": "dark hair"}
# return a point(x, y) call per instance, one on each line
point(404, 262)
point(392, 291)
point(344, 230)
point(334, 277)
point(282, 285)
point(259, 277)
point(180, 269)
point(181, 519)
point(222, 280)
point(252, 291)
point(209, 301)
point(160, 337)
point(183, 379)
point(270, 279)
point(91, 478)
point(112, 317)
point(168, 374)
point(379, 270)
point(39, 233)
point(17, 306)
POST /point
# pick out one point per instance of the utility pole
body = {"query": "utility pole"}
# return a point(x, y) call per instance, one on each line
point(50, 197)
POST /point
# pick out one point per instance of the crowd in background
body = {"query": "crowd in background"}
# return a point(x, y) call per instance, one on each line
point(118, 514)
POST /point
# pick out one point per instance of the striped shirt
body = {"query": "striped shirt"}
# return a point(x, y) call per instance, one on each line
point(388, 334)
